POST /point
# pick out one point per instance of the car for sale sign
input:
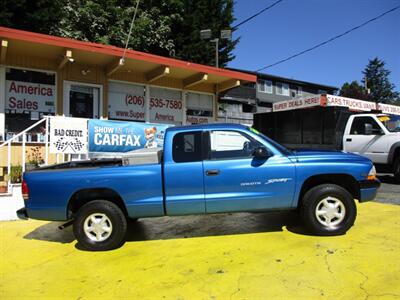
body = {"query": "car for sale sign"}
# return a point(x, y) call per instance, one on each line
point(68, 135)
point(117, 136)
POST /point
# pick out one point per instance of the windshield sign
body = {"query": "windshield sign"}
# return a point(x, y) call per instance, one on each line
point(392, 123)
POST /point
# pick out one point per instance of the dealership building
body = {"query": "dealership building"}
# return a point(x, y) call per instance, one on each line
point(47, 75)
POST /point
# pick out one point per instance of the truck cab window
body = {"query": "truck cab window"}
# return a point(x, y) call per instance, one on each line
point(358, 126)
point(187, 147)
point(231, 144)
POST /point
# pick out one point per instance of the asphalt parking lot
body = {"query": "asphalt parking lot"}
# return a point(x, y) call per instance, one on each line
point(227, 256)
point(389, 191)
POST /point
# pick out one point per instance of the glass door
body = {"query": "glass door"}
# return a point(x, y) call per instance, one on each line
point(81, 101)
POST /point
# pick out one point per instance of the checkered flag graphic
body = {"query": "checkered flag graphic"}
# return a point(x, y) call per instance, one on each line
point(63, 143)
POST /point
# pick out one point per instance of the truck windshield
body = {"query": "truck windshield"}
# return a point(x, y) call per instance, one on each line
point(392, 123)
point(275, 144)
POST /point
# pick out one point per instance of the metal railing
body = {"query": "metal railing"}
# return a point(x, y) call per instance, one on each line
point(16, 138)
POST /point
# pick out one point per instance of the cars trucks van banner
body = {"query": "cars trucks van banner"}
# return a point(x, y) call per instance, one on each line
point(68, 135)
point(351, 103)
point(117, 136)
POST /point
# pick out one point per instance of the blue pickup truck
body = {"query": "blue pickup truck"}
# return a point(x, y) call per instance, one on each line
point(202, 169)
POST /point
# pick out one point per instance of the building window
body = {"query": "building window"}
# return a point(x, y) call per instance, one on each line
point(299, 91)
point(30, 95)
point(166, 106)
point(265, 86)
point(126, 102)
point(322, 92)
point(200, 108)
point(282, 89)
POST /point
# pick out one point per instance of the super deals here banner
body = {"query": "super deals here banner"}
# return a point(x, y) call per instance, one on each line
point(117, 136)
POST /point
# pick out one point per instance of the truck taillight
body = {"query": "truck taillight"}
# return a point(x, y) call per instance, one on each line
point(25, 190)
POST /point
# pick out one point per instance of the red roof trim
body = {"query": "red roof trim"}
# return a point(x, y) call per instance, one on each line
point(118, 52)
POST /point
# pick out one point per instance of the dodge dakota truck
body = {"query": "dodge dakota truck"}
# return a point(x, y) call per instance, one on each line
point(202, 169)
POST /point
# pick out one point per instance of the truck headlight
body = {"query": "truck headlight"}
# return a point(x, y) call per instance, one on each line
point(372, 174)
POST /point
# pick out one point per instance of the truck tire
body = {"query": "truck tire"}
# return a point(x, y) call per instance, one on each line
point(328, 209)
point(100, 225)
point(396, 169)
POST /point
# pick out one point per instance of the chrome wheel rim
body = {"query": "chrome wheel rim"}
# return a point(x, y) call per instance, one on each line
point(97, 227)
point(330, 212)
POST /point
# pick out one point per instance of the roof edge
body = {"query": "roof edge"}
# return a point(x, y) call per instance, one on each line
point(40, 38)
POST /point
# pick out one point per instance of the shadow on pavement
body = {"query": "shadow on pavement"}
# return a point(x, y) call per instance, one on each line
point(50, 233)
point(389, 179)
point(210, 225)
point(165, 228)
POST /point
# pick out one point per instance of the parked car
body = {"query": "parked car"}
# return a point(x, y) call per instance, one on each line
point(202, 169)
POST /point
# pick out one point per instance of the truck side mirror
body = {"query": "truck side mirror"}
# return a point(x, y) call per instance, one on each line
point(367, 129)
point(261, 153)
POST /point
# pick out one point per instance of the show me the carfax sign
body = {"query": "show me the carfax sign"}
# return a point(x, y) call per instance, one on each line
point(117, 136)
point(68, 135)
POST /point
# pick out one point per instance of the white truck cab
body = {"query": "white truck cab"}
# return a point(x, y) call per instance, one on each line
point(376, 136)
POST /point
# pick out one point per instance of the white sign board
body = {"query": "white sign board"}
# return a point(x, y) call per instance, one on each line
point(389, 109)
point(68, 135)
point(126, 101)
point(27, 96)
point(296, 103)
point(166, 106)
point(351, 103)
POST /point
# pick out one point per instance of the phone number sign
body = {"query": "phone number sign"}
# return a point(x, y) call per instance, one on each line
point(166, 106)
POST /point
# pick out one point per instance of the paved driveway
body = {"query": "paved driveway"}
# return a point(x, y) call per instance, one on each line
point(229, 256)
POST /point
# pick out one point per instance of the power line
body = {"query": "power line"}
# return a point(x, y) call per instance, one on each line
point(130, 30)
point(255, 15)
point(329, 40)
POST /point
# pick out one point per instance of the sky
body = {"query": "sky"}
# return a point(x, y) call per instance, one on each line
point(295, 25)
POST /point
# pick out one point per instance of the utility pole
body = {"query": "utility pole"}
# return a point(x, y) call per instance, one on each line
point(216, 41)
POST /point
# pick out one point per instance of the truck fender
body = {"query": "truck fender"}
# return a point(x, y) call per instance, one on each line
point(83, 196)
point(392, 152)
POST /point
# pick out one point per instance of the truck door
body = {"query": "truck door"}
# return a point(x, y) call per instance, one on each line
point(356, 139)
point(183, 175)
point(236, 181)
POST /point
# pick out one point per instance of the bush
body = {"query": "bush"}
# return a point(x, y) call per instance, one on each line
point(16, 174)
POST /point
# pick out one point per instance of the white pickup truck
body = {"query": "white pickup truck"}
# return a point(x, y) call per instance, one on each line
point(374, 135)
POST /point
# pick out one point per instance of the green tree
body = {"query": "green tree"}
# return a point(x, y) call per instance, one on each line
point(163, 27)
point(377, 76)
point(205, 14)
point(38, 16)
point(353, 90)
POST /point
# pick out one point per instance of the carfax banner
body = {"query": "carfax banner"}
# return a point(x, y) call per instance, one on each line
point(117, 136)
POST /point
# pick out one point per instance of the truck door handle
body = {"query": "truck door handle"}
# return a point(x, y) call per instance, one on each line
point(348, 140)
point(212, 172)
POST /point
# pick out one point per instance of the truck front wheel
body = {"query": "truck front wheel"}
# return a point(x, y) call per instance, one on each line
point(396, 167)
point(328, 209)
point(100, 225)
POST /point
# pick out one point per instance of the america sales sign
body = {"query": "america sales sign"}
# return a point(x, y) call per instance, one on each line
point(27, 96)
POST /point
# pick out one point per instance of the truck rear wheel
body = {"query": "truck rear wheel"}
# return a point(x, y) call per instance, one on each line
point(328, 209)
point(100, 225)
point(396, 171)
